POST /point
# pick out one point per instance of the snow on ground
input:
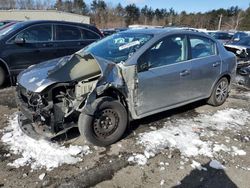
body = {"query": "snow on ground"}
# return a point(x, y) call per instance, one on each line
point(186, 134)
point(39, 153)
point(138, 158)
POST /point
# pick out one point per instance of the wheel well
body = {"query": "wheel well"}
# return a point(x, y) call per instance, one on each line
point(2, 65)
point(228, 77)
point(116, 94)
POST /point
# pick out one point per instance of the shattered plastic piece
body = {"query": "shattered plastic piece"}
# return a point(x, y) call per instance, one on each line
point(216, 165)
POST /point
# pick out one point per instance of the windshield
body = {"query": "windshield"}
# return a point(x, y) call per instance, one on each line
point(9, 29)
point(244, 41)
point(118, 47)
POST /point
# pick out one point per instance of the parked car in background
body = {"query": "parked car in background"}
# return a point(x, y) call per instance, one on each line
point(238, 36)
point(27, 43)
point(243, 76)
point(107, 32)
point(222, 36)
point(123, 77)
point(4, 24)
point(241, 49)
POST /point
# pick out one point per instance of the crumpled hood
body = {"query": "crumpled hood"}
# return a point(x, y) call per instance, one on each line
point(36, 78)
point(39, 77)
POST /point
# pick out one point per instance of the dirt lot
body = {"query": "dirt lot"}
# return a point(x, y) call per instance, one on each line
point(170, 165)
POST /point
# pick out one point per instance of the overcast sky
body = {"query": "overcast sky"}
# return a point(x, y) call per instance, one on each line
point(187, 5)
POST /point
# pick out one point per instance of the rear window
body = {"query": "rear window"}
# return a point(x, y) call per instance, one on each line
point(86, 34)
point(67, 32)
point(202, 47)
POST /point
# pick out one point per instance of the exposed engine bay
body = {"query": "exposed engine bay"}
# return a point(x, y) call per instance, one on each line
point(57, 107)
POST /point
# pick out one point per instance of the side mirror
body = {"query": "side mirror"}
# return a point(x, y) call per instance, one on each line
point(143, 66)
point(19, 40)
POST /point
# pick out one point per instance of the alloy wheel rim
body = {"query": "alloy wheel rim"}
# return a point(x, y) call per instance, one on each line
point(221, 91)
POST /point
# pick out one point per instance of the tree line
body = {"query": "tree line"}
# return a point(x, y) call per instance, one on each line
point(107, 15)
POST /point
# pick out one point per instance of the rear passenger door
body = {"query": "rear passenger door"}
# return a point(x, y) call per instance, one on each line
point(205, 63)
point(69, 39)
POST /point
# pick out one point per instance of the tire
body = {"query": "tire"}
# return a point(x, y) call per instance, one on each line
point(2, 76)
point(108, 123)
point(220, 92)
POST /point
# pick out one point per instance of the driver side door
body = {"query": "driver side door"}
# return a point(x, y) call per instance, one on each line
point(164, 75)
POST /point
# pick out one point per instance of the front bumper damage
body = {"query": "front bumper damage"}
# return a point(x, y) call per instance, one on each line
point(30, 122)
point(62, 102)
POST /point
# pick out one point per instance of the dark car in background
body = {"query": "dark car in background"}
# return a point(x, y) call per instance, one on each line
point(27, 43)
point(107, 32)
point(238, 36)
point(241, 49)
point(222, 36)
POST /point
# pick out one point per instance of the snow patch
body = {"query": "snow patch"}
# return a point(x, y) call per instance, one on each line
point(185, 134)
point(238, 151)
point(138, 159)
point(39, 153)
point(42, 176)
point(197, 165)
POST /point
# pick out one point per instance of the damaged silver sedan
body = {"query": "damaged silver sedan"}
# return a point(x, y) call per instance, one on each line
point(126, 76)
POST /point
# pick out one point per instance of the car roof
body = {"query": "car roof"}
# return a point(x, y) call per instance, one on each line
point(161, 31)
point(155, 31)
point(31, 22)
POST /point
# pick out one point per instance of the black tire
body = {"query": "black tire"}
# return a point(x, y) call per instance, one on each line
point(108, 123)
point(220, 92)
point(2, 76)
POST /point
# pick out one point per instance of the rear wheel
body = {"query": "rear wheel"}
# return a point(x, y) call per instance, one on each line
point(108, 123)
point(2, 76)
point(220, 92)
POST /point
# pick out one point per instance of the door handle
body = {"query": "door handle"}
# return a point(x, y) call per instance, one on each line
point(48, 45)
point(81, 43)
point(216, 64)
point(185, 73)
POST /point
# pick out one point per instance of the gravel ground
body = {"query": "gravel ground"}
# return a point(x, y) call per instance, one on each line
point(109, 167)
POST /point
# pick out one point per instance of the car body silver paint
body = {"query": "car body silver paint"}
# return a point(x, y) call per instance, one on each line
point(125, 78)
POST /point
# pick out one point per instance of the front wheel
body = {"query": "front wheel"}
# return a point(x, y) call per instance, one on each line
point(2, 76)
point(108, 123)
point(220, 93)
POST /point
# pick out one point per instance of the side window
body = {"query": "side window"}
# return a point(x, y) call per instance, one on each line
point(66, 32)
point(202, 47)
point(89, 34)
point(169, 50)
point(38, 33)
